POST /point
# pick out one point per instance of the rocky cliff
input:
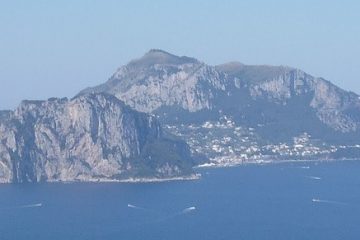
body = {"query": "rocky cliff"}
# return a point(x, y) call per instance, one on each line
point(94, 137)
point(277, 103)
point(161, 79)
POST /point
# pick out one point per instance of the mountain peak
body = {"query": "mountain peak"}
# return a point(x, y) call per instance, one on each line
point(158, 51)
point(158, 56)
point(230, 66)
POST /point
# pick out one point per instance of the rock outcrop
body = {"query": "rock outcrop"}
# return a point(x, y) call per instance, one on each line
point(93, 137)
point(160, 79)
point(280, 103)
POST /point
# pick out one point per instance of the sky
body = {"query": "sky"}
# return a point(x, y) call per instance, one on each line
point(57, 48)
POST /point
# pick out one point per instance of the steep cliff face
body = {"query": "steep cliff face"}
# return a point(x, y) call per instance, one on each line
point(160, 79)
point(336, 108)
point(89, 138)
point(276, 104)
point(7, 144)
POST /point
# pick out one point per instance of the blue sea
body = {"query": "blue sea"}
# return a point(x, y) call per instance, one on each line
point(276, 201)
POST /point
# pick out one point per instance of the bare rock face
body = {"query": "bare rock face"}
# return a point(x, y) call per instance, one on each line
point(161, 80)
point(89, 138)
point(330, 103)
point(267, 107)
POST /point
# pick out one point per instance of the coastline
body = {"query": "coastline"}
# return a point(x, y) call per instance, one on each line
point(191, 177)
point(266, 162)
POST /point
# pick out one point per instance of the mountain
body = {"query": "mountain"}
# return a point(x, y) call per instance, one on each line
point(274, 112)
point(93, 137)
point(161, 79)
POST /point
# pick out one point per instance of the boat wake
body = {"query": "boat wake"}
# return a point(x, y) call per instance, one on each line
point(160, 216)
point(36, 205)
point(147, 210)
point(188, 210)
point(314, 178)
point(317, 200)
point(135, 207)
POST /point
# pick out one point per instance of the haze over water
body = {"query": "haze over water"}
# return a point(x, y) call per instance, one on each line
point(278, 201)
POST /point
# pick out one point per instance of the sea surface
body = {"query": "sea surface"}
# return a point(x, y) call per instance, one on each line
point(276, 201)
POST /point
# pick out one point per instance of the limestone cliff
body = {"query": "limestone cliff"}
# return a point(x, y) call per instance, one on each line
point(89, 138)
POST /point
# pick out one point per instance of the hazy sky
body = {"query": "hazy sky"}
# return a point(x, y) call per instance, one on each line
point(58, 47)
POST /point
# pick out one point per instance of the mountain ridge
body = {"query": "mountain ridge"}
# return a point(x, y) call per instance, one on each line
point(277, 82)
point(161, 114)
point(279, 102)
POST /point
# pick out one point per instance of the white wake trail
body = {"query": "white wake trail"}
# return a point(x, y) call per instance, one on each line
point(36, 205)
point(188, 210)
point(135, 207)
point(314, 177)
point(148, 210)
point(317, 200)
